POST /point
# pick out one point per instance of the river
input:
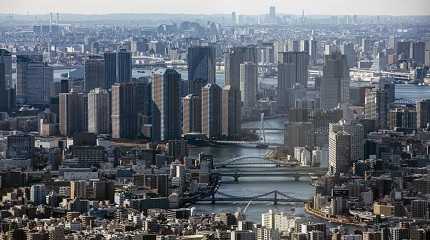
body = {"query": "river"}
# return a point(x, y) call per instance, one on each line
point(254, 186)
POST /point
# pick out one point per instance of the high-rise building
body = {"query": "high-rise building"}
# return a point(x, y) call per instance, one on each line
point(192, 114)
point(73, 113)
point(301, 64)
point(123, 66)
point(124, 115)
point(402, 118)
point(248, 84)
point(7, 90)
point(165, 111)
point(403, 50)
point(313, 51)
point(376, 106)
point(38, 194)
point(201, 67)
point(334, 89)
point(211, 110)
point(356, 131)
point(423, 113)
point(231, 111)
point(19, 146)
point(299, 134)
point(286, 82)
point(418, 52)
point(99, 117)
point(347, 49)
point(272, 12)
point(232, 60)
point(33, 81)
point(339, 152)
point(94, 73)
point(110, 69)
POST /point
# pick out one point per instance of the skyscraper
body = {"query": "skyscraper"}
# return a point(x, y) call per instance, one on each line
point(73, 113)
point(231, 111)
point(423, 113)
point(34, 79)
point(248, 84)
point(99, 117)
point(7, 90)
point(124, 115)
point(286, 81)
point(418, 52)
point(313, 51)
point(376, 105)
point(94, 73)
point(299, 134)
point(301, 64)
point(211, 110)
point(110, 69)
point(347, 49)
point(192, 114)
point(334, 89)
point(165, 111)
point(201, 67)
point(339, 151)
point(356, 131)
point(232, 60)
point(123, 66)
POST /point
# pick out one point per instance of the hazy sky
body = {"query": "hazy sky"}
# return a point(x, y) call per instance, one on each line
point(361, 7)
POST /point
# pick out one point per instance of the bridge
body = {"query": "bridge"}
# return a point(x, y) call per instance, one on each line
point(237, 168)
point(248, 143)
point(267, 129)
point(273, 196)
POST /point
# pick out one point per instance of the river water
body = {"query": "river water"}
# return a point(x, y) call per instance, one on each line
point(254, 186)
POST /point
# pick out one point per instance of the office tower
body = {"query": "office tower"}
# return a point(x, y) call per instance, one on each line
point(339, 152)
point(299, 134)
point(231, 112)
point(232, 60)
point(279, 47)
point(248, 84)
point(6, 76)
point(301, 63)
point(165, 111)
point(402, 118)
point(423, 114)
point(376, 106)
point(418, 52)
point(211, 110)
point(19, 146)
point(293, 45)
point(201, 67)
point(313, 51)
point(34, 79)
point(192, 114)
point(123, 66)
point(403, 50)
point(286, 82)
point(94, 73)
point(356, 131)
point(143, 98)
point(73, 113)
point(7, 90)
point(380, 61)
point(275, 220)
point(272, 12)
point(304, 46)
point(99, 117)
point(347, 49)
point(334, 89)
point(124, 115)
point(110, 69)
point(38, 194)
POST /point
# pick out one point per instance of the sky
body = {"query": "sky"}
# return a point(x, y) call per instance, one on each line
point(310, 7)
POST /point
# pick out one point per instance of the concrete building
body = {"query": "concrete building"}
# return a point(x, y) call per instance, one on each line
point(300, 60)
point(402, 118)
point(334, 89)
point(110, 68)
point(248, 84)
point(124, 115)
point(166, 112)
point(231, 111)
point(232, 60)
point(95, 73)
point(33, 80)
point(299, 134)
point(73, 113)
point(211, 110)
point(423, 113)
point(123, 66)
point(99, 116)
point(356, 131)
point(191, 114)
point(339, 152)
point(201, 67)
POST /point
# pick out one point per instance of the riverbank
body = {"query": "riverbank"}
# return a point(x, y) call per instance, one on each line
point(341, 220)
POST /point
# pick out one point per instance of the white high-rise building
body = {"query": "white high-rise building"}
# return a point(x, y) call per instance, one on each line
point(99, 118)
point(357, 137)
point(339, 152)
point(277, 220)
